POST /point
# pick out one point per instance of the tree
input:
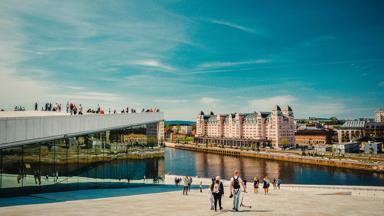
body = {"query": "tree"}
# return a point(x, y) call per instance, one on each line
point(284, 141)
point(334, 120)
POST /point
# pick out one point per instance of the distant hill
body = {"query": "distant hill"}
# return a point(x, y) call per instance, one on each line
point(179, 122)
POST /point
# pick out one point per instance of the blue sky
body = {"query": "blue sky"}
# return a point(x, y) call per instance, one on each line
point(324, 58)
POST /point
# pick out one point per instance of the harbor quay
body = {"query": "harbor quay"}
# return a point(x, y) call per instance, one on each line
point(152, 200)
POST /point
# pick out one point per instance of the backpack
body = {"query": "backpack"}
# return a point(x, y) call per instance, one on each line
point(236, 183)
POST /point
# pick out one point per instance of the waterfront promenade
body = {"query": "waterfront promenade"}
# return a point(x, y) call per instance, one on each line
point(290, 200)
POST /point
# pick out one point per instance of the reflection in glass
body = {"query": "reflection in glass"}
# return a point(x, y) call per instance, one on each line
point(13, 171)
point(31, 165)
point(102, 159)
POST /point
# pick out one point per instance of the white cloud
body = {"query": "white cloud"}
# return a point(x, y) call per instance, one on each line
point(97, 41)
point(91, 96)
point(153, 64)
point(75, 87)
point(321, 108)
point(266, 104)
point(232, 25)
point(209, 100)
point(231, 64)
point(172, 101)
point(18, 91)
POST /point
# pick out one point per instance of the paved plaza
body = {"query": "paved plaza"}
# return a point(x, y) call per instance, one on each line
point(168, 200)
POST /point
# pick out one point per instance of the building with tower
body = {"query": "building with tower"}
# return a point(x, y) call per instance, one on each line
point(277, 127)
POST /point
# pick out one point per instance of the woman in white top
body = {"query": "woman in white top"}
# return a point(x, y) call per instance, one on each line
point(216, 191)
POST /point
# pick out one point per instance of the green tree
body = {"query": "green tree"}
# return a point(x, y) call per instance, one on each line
point(284, 141)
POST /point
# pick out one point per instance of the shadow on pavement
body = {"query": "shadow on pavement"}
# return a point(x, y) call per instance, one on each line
point(88, 194)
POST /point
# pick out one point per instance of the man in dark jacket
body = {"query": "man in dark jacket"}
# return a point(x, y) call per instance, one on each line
point(221, 191)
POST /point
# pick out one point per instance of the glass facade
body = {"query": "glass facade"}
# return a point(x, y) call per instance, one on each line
point(113, 158)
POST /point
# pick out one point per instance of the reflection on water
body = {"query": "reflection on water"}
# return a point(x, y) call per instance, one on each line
point(182, 162)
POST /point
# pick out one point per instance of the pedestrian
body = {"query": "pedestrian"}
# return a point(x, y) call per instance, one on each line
point(266, 184)
point(215, 188)
point(279, 181)
point(36, 106)
point(245, 184)
point(186, 183)
point(71, 108)
point(256, 184)
point(176, 181)
point(189, 183)
point(274, 183)
point(35, 175)
point(235, 189)
point(221, 191)
point(201, 186)
point(80, 110)
point(211, 198)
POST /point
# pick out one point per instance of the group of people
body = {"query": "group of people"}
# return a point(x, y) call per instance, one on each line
point(18, 108)
point(216, 192)
point(178, 180)
point(187, 182)
point(276, 182)
point(48, 107)
point(75, 109)
point(237, 185)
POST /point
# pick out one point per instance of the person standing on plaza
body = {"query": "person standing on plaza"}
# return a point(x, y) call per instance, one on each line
point(211, 198)
point(36, 106)
point(236, 183)
point(80, 110)
point(274, 183)
point(245, 184)
point(189, 183)
point(186, 183)
point(279, 181)
point(221, 191)
point(266, 184)
point(215, 188)
point(256, 184)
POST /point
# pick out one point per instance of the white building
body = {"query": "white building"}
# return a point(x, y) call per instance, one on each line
point(379, 115)
point(342, 148)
